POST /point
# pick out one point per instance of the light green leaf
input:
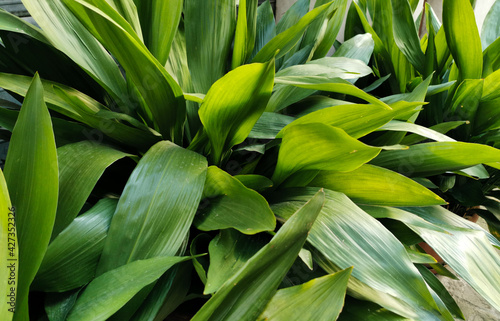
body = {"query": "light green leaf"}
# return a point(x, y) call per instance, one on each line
point(159, 21)
point(234, 104)
point(377, 186)
point(491, 86)
point(287, 39)
point(156, 207)
point(32, 178)
point(128, 10)
point(405, 33)
point(442, 128)
point(319, 299)
point(246, 28)
point(80, 167)
point(358, 47)
point(395, 125)
point(71, 259)
point(229, 204)
point(462, 37)
point(258, 279)
point(255, 182)
point(436, 158)
point(209, 26)
point(347, 236)
point(229, 251)
point(316, 146)
point(491, 58)
point(10, 22)
point(160, 91)
point(8, 253)
point(477, 263)
point(107, 293)
point(491, 28)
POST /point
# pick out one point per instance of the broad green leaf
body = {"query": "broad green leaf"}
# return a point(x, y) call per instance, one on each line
point(491, 58)
point(234, 104)
point(377, 186)
point(491, 28)
point(80, 167)
point(32, 178)
point(359, 47)
point(246, 28)
point(319, 299)
point(357, 120)
point(258, 279)
point(159, 21)
point(266, 27)
point(70, 36)
point(347, 236)
point(71, 258)
point(229, 251)
point(107, 293)
point(491, 87)
point(287, 39)
point(316, 146)
point(333, 85)
point(395, 125)
point(229, 204)
point(209, 26)
point(160, 91)
point(405, 34)
point(156, 207)
point(10, 22)
point(462, 37)
point(477, 263)
point(269, 125)
point(8, 253)
point(436, 158)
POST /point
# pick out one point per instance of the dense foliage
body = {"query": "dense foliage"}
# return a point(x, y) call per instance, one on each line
point(192, 159)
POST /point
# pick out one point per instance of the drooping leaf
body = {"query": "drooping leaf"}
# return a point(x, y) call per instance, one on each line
point(10, 22)
point(107, 293)
point(156, 207)
point(159, 90)
point(8, 253)
point(462, 37)
point(80, 167)
point(229, 251)
point(234, 104)
point(31, 173)
point(316, 146)
point(319, 299)
point(435, 158)
point(229, 204)
point(209, 26)
point(377, 186)
point(71, 258)
point(258, 279)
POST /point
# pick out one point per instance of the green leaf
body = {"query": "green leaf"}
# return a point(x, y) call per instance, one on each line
point(80, 167)
point(491, 29)
point(462, 37)
point(347, 236)
point(209, 29)
point(316, 146)
point(358, 47)
point(436, 158)
point(487, 116)
point(71, 258)
point(269, 125)
point(491, 58)
point(156, 207)
point(234, 104)
point(246, 28)
point(107, 293)
point(229, 204)
point(395, 125)
point(477, 263)
point(8, 253)
point(58, 305)
point(334, 85)
point(160, 91)
point(266, 27)
point(287, 39)
point(70, 36)
point(10, 22)
point(258, 279)
point(357, 120)
point(159, 21)
point(255, 182)
point(405, 33)
point(128, 10)
point(229, 251)
point(367, 311)
point(319, 299)
point(32, 177)
point(377, 186)
point(491, 87)
point(442, 128)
